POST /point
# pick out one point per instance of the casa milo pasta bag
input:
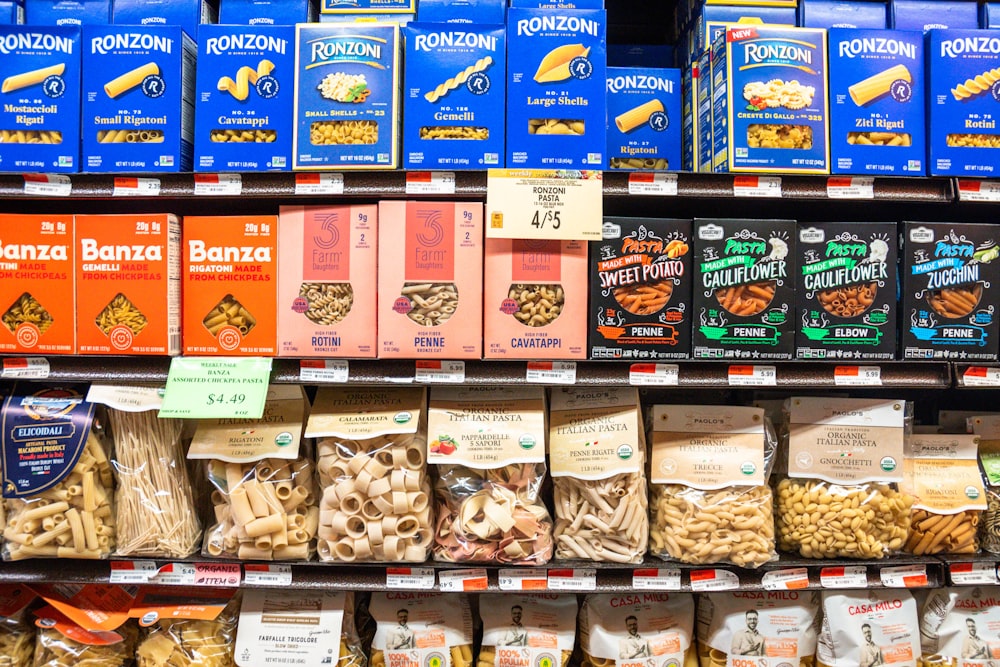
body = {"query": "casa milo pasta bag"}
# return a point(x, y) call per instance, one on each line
point(539, 628)
point(868, 628)
point(959, 625)
point(638, 630)
point(414, 629)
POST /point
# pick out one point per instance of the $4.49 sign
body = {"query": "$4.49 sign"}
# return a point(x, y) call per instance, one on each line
point(544, 204)
point(216, 387)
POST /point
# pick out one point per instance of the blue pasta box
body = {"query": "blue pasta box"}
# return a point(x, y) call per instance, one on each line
point(713, 19)
point(245, 95)
point(453, 110)
point(963, 71)
point(644, 118)
point(989, 15)
point(689, 85)
point(138, 98)
point(40, 94)
point(927, 15)
point(486, 12)
point(188, 14)
point(770, 100)
point(266, 12)
point(368, 6)
point(12, 12)
point(558, 4)
point(347, 80)
point(556, 104)
point(704, 111)
point(877, 109)
point(862, 14)
point(640, 55)
point(68, 12)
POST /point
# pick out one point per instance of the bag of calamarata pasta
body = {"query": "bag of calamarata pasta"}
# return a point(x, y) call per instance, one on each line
point(420, 630)
point(597, 450)
point(528, 629)
point(869, 628)
point(710, 502)
point(638, 630)
point(958, 626)
point(987, 428)
point(845, 461)
point(758, 628)
point(487, 449)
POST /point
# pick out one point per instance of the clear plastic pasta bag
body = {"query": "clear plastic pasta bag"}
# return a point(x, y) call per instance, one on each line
point(540, 629)
point(957, 626)
point(421, 628)
point(639, 629)
point(17, 634)
point(869, 628)
point(987, 427)
point(54, 649)
point(188, 642)
point(989, 527)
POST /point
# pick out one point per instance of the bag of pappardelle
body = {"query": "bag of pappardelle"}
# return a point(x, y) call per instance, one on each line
point(413, 629)
point(539, 628)
point(631, 630)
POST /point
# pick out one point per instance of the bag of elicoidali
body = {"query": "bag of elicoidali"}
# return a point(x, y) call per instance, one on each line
point(539, 628)
point(638, 630)
point(959, 626)
point(869, 628)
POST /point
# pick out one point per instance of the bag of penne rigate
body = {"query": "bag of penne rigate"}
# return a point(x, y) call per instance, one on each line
point(597, 451)
point(710, 502)
point(264, 491)
point(987, 428)
point(869, 628)
point(487, 451)
point(17, 634)
point(527, 629)
point(638, 630)
point(57, 482)
point(958, 627)
point(420, 629)
point(155, 510)
point(60, 642)
point(375, 494)
point(758, 628)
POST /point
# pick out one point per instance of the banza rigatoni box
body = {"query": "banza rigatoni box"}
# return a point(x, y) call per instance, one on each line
point(327, 259)
point(430, 280)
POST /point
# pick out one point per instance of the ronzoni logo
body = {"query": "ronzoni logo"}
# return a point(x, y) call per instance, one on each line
point(576, 24)
point(893, 47)
point(472, 40)
point(38, 41)
point(131, 40)
point(345, 48)
point(960, 45)
point(758, 52)
point(640, 82)
point(245, 42)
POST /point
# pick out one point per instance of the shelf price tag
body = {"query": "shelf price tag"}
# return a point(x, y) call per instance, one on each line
point(646, 183)
point(791, 579)
point(440, 372)
point(217, 185)
point(551, 372)
point(324, 370)
point(981, 376)
point(850, 187)
point(126, 397)
point(274, 575)
point(664, 579)
point(457, 581)
point(653, 375)
point(757, 186)
point(47, 185)
point(974, 574)
point(24, 368)
point(136, 187)
point(413, 578)
point(319, 184)
point(753, 376)
point(430, 182)
point(905, 576)
point(523, 579)
point(538, 204)
point(857, 376)
point(175, 574)
point(132, 571)
point(850, 576)
point(580, 579)
point(969, 190)
point(713, 580)
point(216, 387)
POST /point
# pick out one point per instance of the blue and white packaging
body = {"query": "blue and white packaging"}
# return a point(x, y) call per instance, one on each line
point(138, 98)
point(705, 109)
point(558, 4)
point(640, 55)
point(347, 96)
point(398, 19)
point(12, 12)
point(933, 14)
point(67, 12)
point(245, 96)
point(712, 20)
point(989, 15)
point(486, 12)
point(368, 6)
point(877, 103)
point(861, 14)
point(188, 14)
point(689, 86)
point(644, 118)
point(266, 12)
point(40, 94)
point(963, 102)
point(556, 106)
point(455, 78)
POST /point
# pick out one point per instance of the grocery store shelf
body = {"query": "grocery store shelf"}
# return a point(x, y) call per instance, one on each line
point(976, 376)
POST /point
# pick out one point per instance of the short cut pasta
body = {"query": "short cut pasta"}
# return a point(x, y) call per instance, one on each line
point(54, 649)
point(30, 137)
point(334, 132)
point(26, 309)
point(187, 642)
point(121, 311)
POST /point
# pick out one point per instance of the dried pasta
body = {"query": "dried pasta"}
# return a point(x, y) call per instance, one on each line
point(746, 300)
point(955, 302)
point(537, 305)
point(130, 136)
point(121, 311)
point(934, 533)
point(778, 93)
point(454, 82)
point(603, 519)
point(879, 139)
point(31, 78)
point(432, 304)
point(976, 86)
point(990, 525)
point(329, 303)
point(973, 140)
point(556, 126)
point(187, 642)
point(442, 622)
point(222, 136)
point(328, 132)
point(30, 137)
point(17, 644)
point(343, 87)
point(848, 301)
point(229, 312)
point(638, 163)
point(645, 299)
point(54, 649)
point(779, 136)
point(455, 132)
point(27, 310)
point(245, 77)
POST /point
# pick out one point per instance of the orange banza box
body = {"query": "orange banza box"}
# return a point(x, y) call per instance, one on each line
point(430, 280)
point(327, 259)
point(128, 284)
point(37, 298)
point(535, 299)
point(230, 285)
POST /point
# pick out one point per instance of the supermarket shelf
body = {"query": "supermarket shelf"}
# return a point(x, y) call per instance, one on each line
point(976, 376)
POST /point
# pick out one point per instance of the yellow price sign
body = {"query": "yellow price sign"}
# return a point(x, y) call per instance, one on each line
point(544, 204)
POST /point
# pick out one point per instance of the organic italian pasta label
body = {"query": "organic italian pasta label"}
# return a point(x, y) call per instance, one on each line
point(707, 446)
point(366, 412)
point(961, 623)
point(868, 628)
point(275, 435)
point(595, 433)
point(942, 473)
point(420, 629)
point(638, 630)
point(528, 630)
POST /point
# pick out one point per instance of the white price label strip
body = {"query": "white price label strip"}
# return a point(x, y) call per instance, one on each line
point(319, 184)
point(653, 375)
point(981, 376)
point(523, 579)
point(551, 372)
point(792, 579)
point(703, 581)
point(416, 578)
point(215, 185)
point(753, 376)
point(757, 186)
point(988, 191)
point(850, 576)
point(129, 398)
point(440, 372)
point(324, 370)
point(972, 574)
point(47, 185)
point(132, 571)
point(663, 579)
point(273, 576)
point(430, 182)
point(175, 574)
point(136, 187)
point(850, 187)
point(645, 183)
point(541, 204)
point(906, 576)
point(857, 376)
point(580, 579)
point(24, 368)
point(458, 581)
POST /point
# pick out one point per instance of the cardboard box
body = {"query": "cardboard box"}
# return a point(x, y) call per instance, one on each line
point(128, 278)
point(989, 15)
point(327, 257)
point(744, 289)
point(640, 290)
point(368, 7)
point(556, 72)
point(430, 280)
point(927, 15)
point(243, 126)
point(347, 80)
point(37, 293)
point(706, 147)
point(535, 299)
point(640, 55)
point(860, 14)
point(266, 12)
point(188, 14)
point(846, 299)
point(558, 4)
point(950, 286)
point(484, 12)
point(644, 118)
point(962, 124)
point(770, 100)
point(40, 67)
point(12, 12)
point(689, 91)
point(138, 96)
point(455, 83)
point(67, 12)
point(229, 288)
point(877, 110)
point(712, 20)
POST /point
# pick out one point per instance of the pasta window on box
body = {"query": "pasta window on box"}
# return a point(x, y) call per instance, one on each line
point(130, 136)
point(901, 139)
point(26, 309)
point(326, 132)
point(229, 312)
point(30, 137)
point(536, 305)
point(120, 310)
point(779, 136)
point(973, 140)
point(328, 303)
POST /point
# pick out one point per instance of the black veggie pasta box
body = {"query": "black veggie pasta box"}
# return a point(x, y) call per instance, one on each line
point(640, 290)
point(744, 289)
point(949, 291)
point(846, 303)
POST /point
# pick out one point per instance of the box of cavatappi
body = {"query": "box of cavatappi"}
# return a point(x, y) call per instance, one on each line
point(644, 120)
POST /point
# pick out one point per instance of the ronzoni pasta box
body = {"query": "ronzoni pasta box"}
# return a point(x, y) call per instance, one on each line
point(629, 630)
point(704, 112)
point(869, 627)
point(644, 118)
point(959, 625)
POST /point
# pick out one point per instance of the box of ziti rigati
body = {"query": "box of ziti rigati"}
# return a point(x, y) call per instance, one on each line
point(640, 290)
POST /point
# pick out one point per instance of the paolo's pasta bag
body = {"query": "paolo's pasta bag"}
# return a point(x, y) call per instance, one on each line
point(57, 477)
point(869, 628)
point(958, 626)
point(598, 456)
point(711, 461)
point(372, 458)
point(539, 628)
point(487, 446)
point(637, 630)
point(265, 494)
point(415, 629)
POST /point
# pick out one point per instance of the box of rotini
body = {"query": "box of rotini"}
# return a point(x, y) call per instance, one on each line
point(37, 295)
point(644, 118)
point(138, 92)
point(327, 292)
point(556, 100)
point(430, 280)
point(454, 103)
point(245, 97)
point(950, 277)
point(963, 70)
point(128, 280)
point(229, 287)
point(347, 80)
point(770, 110)
point(40, 95)
point(877, 102)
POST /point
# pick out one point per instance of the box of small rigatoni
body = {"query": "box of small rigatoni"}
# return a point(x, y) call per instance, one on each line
point(229, 287)
point(128, 278)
